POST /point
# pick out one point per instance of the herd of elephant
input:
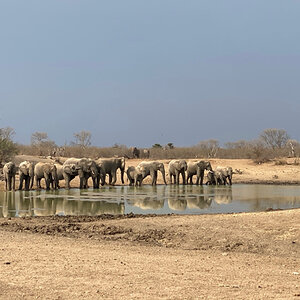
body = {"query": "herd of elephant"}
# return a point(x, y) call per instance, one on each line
point(99, 169)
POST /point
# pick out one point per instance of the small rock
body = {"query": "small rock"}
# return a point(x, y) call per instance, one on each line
point(296, 273)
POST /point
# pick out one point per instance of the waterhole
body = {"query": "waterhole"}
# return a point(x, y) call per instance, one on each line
point(150, 200)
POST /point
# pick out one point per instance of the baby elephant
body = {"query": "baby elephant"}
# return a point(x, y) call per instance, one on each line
point(211, 178)
point(9, 171)
point(135, 175)
point(225, 173)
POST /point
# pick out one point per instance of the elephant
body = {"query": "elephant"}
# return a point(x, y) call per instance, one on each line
point(95, 172)
point(177, 167)
point(197, 168)
point(47, 171)
point(84, 167)
point(26, 173)
point(135, 152)
point(9, 171)
point(226, 174)
point(211, 178)
point(110, 166)
point(70, 169)
point(151, 168)
point(135, 175)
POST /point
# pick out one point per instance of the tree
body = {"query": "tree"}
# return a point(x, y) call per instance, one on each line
point(274, 138)
point(8, 148)
point(292, 145)
point(210, 147)
point(157, 146)
point(41, 142)
point(37, 138)
point(169, 146)
point(82, 139)
point(7, 133)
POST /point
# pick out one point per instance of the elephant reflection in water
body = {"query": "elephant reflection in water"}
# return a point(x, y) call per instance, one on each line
point(201, 200)
point(222, 195)
point(7, 204)
point(191, 197)
point(177, 198)
point(155, 201)
point(24, 203)
point(44, 203)
point(72, 205)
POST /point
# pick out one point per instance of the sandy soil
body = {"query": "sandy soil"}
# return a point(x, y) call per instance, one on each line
point(242, 256)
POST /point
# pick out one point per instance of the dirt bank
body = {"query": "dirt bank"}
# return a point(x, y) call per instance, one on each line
point(249, 255)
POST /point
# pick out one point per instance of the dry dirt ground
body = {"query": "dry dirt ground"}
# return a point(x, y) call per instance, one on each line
point(242, 256)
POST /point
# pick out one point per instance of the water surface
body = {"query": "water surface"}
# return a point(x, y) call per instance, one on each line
point(150, 200)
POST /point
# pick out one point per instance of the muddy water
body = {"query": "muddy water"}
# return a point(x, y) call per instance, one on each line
point(150, 200)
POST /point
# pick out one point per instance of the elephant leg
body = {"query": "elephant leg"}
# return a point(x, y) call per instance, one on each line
point(155, 177)
point(102, 177)
point(9, 183)
point(230, 181)
point(109, 178)
point(21, 181)
point(6, 184)
point(177, 177)
point(122, 176)
point(152, 174)
point(183, 177)
point(47, 182)
point(27, 183)
point(170, 176)
point(201, 177)
point(67, 181)
point(95, 185)
point(81, 180)
point(114, 177)
point(14, 182)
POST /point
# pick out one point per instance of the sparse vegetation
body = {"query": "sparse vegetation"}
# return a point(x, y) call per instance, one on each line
point(271, 144)
point(8, 149)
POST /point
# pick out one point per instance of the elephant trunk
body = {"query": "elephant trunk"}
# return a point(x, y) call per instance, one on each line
point(164, 176)
point(54, 180)
point(31, 176)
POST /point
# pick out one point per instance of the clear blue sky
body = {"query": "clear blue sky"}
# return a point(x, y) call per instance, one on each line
point(144, 72)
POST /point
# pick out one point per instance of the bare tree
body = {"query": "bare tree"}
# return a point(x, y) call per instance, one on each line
point(82, 139)
point(210, 147)
point(274, 138)
point(292, 145)
point(42, 143)
point(38, 138)
point(7, 133)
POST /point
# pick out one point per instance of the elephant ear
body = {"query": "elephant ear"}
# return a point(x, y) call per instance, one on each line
point(69, 169)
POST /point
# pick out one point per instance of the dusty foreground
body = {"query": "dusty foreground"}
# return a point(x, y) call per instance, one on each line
point(242, 256)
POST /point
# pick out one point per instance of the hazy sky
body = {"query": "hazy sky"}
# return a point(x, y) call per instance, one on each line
point(144, 72)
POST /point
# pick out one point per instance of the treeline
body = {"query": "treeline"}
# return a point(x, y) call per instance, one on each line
point(271, 143)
